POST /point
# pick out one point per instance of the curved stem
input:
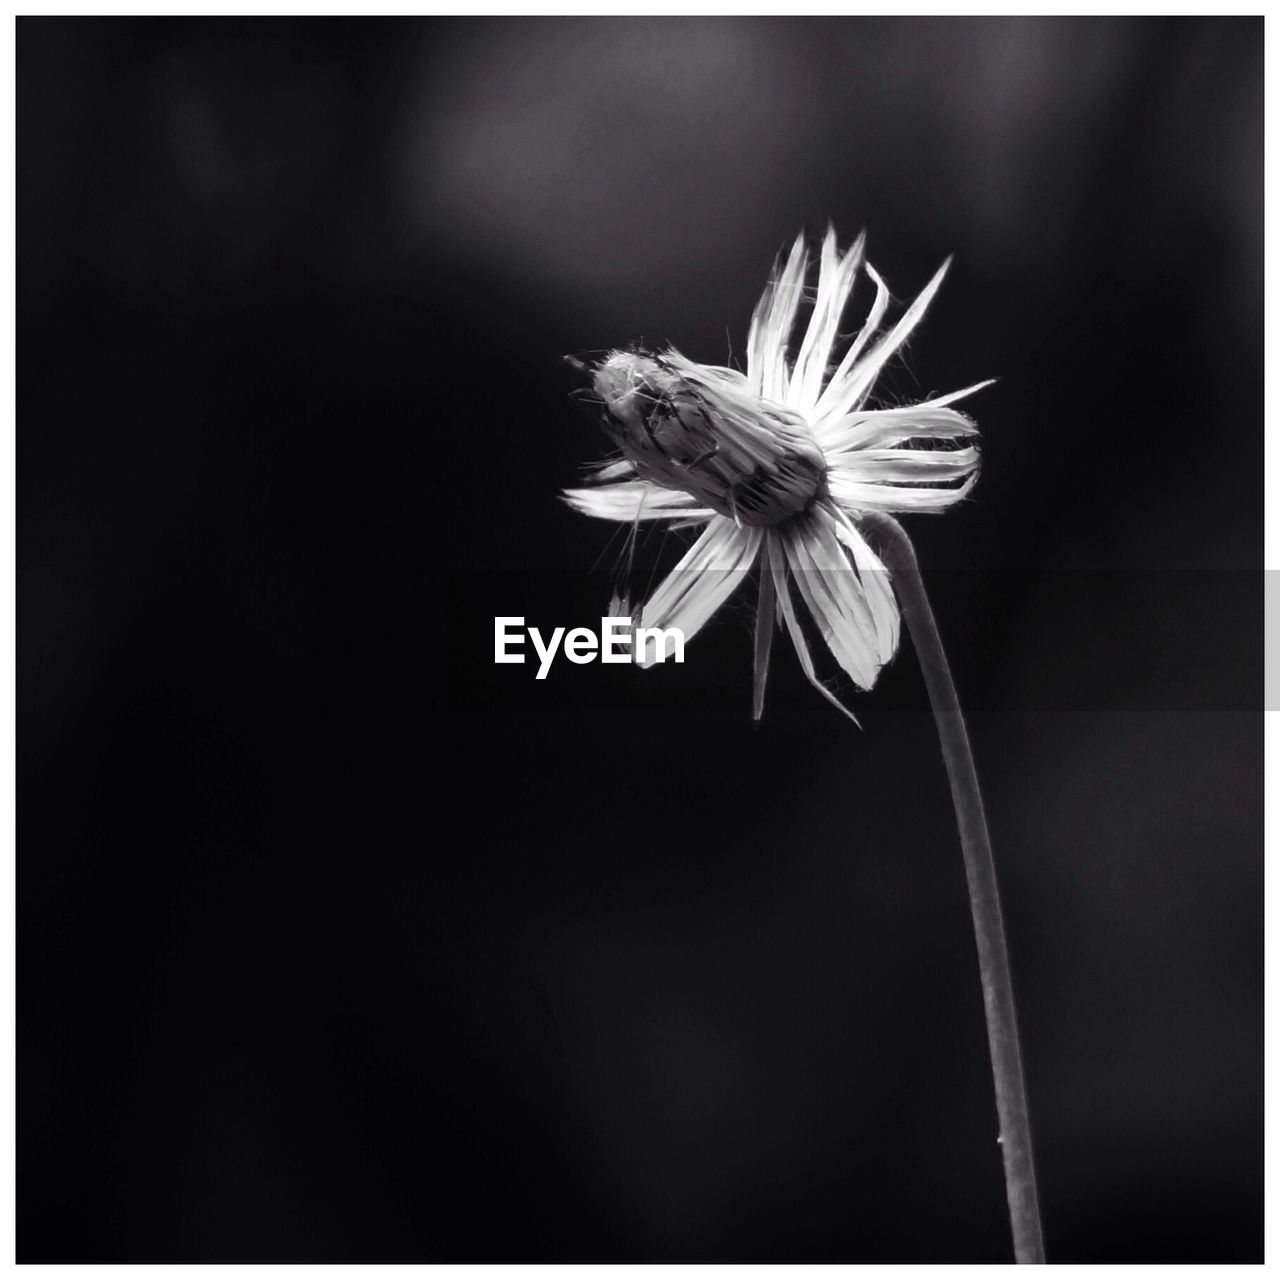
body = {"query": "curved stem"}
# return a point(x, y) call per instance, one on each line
point(984, 897)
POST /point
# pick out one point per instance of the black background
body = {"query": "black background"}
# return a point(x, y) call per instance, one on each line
point(338, 942)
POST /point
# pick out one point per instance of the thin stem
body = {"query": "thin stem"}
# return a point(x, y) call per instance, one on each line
point(984, 897)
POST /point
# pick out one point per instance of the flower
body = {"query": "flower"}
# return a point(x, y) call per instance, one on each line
point(778, 465)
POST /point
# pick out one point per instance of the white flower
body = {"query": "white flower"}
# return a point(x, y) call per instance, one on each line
point(778, 465)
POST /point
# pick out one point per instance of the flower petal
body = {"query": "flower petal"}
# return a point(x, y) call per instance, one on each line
point(771, 324)
point(882, 427)
point(905, 466)
point(634, 500)
point(952, 396)
point(829, 402)
point(874, 577)
point(856, 384)
point(766, 620)
point(830, 588)
point(855, 495)
point(776, 564)
point(608, 472)
point(710, 572)
point(835, 283)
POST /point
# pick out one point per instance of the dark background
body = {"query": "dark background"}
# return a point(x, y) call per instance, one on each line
point(336, 941)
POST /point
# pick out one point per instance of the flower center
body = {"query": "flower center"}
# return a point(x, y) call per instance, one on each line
point(702, 430)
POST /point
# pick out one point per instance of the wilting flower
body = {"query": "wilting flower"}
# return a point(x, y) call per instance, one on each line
point(777, 465)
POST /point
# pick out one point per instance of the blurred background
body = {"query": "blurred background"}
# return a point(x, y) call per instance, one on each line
point(337, 942)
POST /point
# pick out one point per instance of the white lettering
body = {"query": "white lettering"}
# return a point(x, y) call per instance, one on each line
point(545, 652)
point(660, 638)
point(502, 638)
point(580, 645)
point(618, 641)
point(615, 631)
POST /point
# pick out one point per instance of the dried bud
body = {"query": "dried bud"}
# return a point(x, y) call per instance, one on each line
point(702, 430)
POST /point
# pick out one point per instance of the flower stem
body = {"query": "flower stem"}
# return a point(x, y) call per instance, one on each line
point(984, 897)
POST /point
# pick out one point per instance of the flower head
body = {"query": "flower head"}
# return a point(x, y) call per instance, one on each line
point(778, 465)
